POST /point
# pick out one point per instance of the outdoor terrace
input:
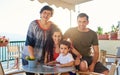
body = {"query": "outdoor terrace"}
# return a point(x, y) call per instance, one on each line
point(3, 55)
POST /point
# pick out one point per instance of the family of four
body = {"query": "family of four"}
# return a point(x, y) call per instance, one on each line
point(46, 43)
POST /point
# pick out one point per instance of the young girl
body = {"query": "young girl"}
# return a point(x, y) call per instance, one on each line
point(51, 49)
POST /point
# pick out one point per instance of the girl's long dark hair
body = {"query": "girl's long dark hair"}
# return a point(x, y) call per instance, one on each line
point(49, 45)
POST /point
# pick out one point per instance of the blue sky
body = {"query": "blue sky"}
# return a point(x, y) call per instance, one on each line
point(16, 15)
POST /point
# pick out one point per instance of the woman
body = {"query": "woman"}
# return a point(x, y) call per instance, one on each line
point(51, 48)
point(37, 36)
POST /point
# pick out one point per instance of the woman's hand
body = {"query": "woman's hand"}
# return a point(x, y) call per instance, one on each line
point(77, 61)
point(32, 57)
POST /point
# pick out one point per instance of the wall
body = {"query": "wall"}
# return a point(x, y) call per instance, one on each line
point(109, 45)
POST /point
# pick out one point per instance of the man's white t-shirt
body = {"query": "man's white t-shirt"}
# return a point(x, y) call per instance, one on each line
point(63, 59)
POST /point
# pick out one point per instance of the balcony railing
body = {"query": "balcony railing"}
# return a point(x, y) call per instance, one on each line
point(3, 50)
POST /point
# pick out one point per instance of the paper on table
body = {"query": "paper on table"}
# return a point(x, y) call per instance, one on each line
point(47, 66)
point(57, 64)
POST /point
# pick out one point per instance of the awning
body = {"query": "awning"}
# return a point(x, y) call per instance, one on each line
point(69, 4)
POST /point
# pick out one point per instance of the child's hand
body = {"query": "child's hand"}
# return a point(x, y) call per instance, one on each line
point(60, 65)
point(57, 64)
point(48, 63)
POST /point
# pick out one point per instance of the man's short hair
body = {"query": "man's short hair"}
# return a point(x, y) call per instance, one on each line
point(83, 15)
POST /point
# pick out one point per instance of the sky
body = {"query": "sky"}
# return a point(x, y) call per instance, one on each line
point(104, 13)
point(16, 15)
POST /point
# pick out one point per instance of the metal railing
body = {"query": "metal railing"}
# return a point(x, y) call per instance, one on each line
point(3, 50)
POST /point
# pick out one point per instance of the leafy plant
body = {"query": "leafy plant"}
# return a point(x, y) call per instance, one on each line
point(100, 30)
point(114, 28)
point(28, 58)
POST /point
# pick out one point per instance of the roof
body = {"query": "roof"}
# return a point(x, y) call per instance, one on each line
point(69, 4)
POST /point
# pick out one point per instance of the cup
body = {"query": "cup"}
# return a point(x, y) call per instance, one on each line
point(32, 63)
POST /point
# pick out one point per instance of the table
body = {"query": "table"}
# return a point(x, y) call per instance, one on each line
point(89, 73)
point(43, 69)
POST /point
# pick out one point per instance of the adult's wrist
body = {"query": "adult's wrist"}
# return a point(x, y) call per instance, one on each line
point(79, 56)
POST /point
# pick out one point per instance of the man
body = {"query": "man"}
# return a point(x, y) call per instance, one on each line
point(83, 39)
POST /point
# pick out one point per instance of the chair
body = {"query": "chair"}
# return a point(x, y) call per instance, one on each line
point(2, 72)
point(1, 69)
point(115, 57)
point(111, 71)
point(114, 64)
point(13, 53)
point(102, 57)
point(113, 68)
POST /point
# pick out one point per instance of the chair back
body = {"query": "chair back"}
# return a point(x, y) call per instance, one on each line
point(13, 50)
point(118, 52)
point(102, 57)
point(112, 69)
point(118, 55)
point(1, 69)
point(13, 53)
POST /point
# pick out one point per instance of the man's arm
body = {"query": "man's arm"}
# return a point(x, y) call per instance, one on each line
point(74, 51)
point(96, 53)
point(95, 57)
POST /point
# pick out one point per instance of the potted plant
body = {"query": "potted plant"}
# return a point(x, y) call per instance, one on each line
point(100, 30)
point(3, 41)
point(102, 36)
point(31, 61)
point(113, 33)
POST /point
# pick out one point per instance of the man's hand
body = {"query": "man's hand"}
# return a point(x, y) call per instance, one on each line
point(91, 67)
